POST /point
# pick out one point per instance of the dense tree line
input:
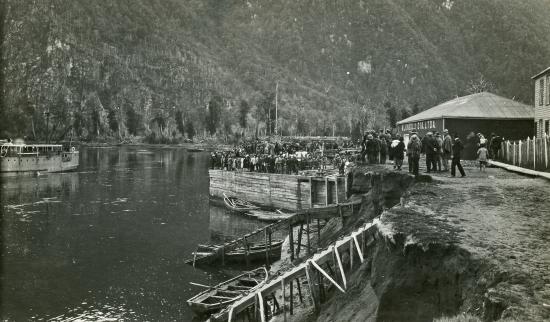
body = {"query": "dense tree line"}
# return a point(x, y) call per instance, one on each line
point(181, 69)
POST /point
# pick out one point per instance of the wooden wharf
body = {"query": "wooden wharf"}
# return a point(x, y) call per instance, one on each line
point(327, 267)
point(307, 217)
point(283, 191)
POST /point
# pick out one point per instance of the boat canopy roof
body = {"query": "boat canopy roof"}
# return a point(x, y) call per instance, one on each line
point(34, 145)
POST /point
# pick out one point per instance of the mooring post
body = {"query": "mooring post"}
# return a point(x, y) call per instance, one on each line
point(223, 255)
point(311, 193)
point(246, 251)
point(291, 304)
point(269, 240)
point(291, 241)
point(326, 190)
point(308, 235)
point(318, 234)
point(299, 241)
point(266, 248)
point(336, 185)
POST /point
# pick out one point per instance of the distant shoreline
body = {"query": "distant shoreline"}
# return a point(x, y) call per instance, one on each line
point(201, 146)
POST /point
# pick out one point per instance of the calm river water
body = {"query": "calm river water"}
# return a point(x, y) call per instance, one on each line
point(108, 242)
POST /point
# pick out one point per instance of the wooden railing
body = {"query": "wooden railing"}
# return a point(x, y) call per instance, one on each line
point(530, 153)
point(325, 267)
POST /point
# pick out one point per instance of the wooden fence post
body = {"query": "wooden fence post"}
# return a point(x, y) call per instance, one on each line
point(519, 153)
point(534, 152)
point(545, 142)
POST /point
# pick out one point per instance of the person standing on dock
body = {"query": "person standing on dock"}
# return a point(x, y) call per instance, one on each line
point(414, 148)
point(383, 148)
point(398, 154)
point(430, 147)
point(447, 149)
point(439, 146)
point(457, 151)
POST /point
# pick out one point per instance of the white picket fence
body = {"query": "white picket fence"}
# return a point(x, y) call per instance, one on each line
point(531, 153)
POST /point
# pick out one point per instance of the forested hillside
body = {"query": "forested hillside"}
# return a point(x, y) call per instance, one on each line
point(171, 68)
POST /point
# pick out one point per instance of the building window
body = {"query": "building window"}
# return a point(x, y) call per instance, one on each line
point(541, 91)
point(540, 129)
point(547, 127)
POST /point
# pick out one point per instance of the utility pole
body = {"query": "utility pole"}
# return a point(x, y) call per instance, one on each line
point(276, 98)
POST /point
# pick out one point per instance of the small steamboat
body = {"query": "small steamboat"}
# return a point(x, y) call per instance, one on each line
point(35, 158)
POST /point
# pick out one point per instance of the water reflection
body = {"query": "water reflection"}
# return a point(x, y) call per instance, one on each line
point(226, 225)
point(108, 242)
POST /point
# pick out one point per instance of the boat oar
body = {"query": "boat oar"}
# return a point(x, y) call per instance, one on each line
point(201, 285)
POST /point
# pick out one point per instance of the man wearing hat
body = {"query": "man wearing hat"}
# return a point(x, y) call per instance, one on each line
point(430, 148)
point(447, 149)
point(408, 152)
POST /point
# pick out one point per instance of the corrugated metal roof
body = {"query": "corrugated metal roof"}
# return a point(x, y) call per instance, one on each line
point(478, 106)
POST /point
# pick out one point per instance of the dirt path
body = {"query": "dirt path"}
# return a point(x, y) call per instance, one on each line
point(504, 218)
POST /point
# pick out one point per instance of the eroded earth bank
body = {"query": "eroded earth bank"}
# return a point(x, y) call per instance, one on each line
point(455, 249)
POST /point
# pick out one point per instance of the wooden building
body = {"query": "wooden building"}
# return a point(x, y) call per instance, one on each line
point(542, 102)
point(465, 116)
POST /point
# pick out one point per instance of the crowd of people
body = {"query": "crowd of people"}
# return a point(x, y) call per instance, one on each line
point(283, 157)
point(375, 148)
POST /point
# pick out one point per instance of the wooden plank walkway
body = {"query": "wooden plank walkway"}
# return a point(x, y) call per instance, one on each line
point(521, 170)
point(312, 270)
point(300, 218)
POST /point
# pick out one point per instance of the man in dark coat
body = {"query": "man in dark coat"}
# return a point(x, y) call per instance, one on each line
point(430, 149)
point(457, 151)
point(414, 148)
point(383, 148)
point(398, 153)
point(372, 149)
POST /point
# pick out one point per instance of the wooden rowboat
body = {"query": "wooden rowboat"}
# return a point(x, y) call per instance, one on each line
point(209, 254)
point(237, 204)
point(225, 293)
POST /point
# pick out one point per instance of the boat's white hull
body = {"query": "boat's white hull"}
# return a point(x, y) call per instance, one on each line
point(64, 161)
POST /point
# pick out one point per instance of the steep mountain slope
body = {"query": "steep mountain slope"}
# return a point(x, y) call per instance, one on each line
point(136, 67)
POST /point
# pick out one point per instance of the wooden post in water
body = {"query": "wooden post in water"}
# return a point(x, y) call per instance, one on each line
point(299, 242)
point(311, 193)
point(269, 240)
point(266, 248)
point(291, 241)
point(223, 255)
point(246, 251)
point(318, 234)
point(336, 183)
point(308, 235)
point(291, 297)
point(326, 191)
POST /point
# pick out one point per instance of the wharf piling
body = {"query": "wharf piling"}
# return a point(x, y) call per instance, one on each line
point(298, 219)
point(316, 271)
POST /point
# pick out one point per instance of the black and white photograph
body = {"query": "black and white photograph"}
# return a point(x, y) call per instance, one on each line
point(275, 160)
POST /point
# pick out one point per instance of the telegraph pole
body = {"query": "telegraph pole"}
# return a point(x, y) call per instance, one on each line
point(276, 97)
